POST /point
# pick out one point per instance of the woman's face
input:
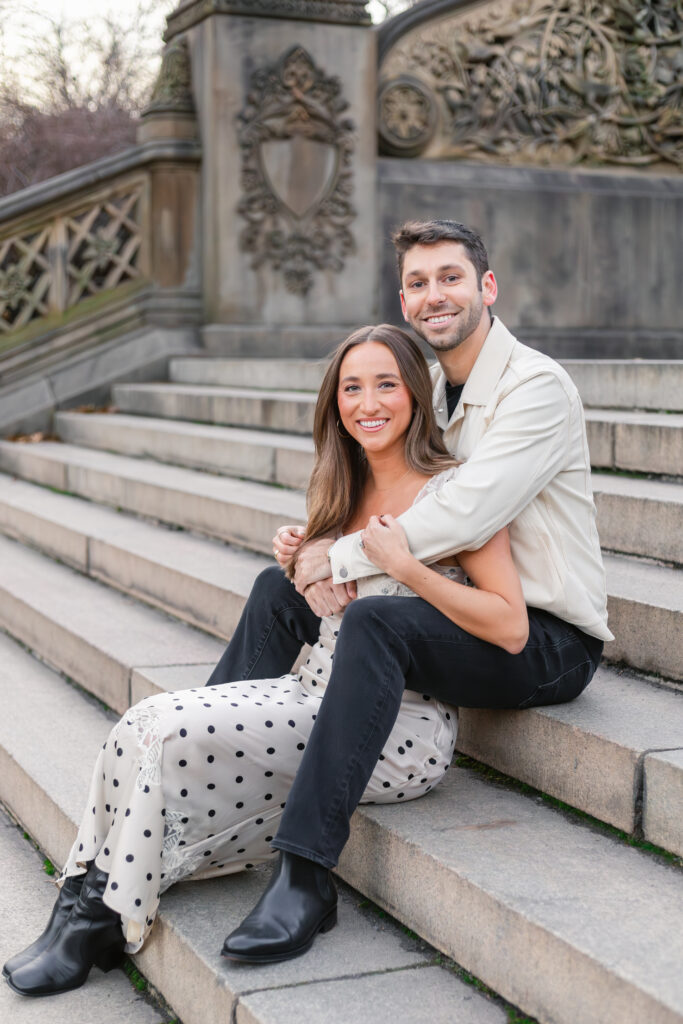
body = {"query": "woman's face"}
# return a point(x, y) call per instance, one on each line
point(375, 404)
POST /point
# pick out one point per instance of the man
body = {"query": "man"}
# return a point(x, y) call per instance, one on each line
point(515, 418)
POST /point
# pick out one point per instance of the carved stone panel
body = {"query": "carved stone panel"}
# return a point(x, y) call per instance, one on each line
point(297, 148)
point(554, 82)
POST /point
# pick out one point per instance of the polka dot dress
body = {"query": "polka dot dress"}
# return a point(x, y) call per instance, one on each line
point(192, 784)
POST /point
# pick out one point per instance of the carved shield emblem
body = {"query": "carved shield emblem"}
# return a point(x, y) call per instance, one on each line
point(300, 172)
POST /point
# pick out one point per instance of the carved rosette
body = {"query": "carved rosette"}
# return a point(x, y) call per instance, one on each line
point(545, 82)
point(406, 116)
point(297, 150)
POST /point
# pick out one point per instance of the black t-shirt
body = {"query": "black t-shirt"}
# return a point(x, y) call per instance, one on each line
point(453, 393)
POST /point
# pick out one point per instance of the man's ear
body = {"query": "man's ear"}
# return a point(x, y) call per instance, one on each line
point(403, 305)
point(489, 288)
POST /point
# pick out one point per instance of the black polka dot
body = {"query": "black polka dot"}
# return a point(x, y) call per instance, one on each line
point(211, 728)
point(106, 807)
point(270, 750)
point(183, 792)
point(432, 760)
point(130, 858)
point(290, 722)
point(268, 775)
point(401, 750)
point(239, 728)
point(210, 759)
point(80, 847)
point(119, 751)
point(145, 790)
point(269, 725)
point(212, 814)
point(239, 804)
point(179, 707)
point(147, 833)
point(301, 746)
point(239, 779)
point(399, 795)
point(183, 732)
point(239, 753)
point(259, 821)
point(211, 785)
point(138, 903)
point(386, 785)
point(409, 743)
point(268, 796)
point(127, 812)
point(114, 885)
point(116, 782)
point(183, 763)
point(149, 876)
point(106, 851)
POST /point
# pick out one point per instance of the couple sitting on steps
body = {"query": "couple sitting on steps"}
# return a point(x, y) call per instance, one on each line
point(468, 493)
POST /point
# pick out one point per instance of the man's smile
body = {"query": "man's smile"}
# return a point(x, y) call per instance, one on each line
point(436, 319)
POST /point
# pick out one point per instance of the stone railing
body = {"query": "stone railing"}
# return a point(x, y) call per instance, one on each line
point(77, 243)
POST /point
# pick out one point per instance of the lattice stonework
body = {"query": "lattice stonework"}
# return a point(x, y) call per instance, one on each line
point(78, 253)
point(103, 244)
point(25, 278)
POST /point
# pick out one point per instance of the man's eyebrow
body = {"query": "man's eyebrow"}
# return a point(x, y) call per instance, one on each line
point(440, 270)
point(378, 376)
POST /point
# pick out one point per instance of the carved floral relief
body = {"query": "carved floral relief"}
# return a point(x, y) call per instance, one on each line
point(541, 81)
point(297, 149)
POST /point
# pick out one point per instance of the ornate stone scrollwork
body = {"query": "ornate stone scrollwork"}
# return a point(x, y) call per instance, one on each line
point(296, 170)
point(550, 81)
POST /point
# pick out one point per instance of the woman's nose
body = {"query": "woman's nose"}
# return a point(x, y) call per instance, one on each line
point(369, 401)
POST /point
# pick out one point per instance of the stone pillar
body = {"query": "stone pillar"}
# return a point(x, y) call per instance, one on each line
point(285, 97)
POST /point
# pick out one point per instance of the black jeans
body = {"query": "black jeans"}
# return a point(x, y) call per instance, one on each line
point(386, 645)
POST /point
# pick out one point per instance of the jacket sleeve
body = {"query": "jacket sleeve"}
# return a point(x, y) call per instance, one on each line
point(524, 447)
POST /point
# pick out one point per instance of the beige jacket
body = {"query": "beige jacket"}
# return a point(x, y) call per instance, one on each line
point(521, 431)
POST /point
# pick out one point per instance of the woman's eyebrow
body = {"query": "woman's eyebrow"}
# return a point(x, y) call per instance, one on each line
point(378, 376)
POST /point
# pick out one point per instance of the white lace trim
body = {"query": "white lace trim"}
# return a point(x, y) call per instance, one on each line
point(145, 719)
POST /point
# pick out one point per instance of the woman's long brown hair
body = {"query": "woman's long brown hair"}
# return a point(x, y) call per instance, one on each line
point(339, 473)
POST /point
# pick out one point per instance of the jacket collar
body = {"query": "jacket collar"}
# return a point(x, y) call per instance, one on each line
point(484, 375)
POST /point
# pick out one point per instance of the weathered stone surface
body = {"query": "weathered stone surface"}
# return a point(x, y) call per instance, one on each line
point(245, 513)
point(419, 995)
point(663, 799)
point(644, 442)
point(551, 914)
point(87, 631)
point(587, 753)
point(655, 384)
point(284, 459)
point(290, 411)
point(639, 517)
point(645, 605)
point(279, 374)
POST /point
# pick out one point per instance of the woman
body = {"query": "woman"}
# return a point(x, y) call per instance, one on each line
point(191, 784)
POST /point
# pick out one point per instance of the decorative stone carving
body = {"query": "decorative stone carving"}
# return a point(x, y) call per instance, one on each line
point(75, 255)
point(345, 12)
point(172, 91)
point(407, 115)
point(546, 82)
point(297, 150)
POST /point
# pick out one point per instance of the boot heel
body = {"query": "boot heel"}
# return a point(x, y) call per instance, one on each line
point(330, 921)
point(109, 958)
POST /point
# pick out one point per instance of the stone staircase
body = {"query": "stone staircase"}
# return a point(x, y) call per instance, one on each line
point(116, 576)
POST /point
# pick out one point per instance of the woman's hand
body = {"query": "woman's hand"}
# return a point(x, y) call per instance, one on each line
point(286, 541)
point(384, 542)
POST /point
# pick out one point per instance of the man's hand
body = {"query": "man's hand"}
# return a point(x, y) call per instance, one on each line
point(286, 541)
point(328, 598)
point(313, 564)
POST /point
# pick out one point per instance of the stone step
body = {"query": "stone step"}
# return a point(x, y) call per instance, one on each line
point(202, 581)
point(645, 606)
point(26, 898)
point(89, 632)
point(640, 442)
point(244, 513)
point(655, 384)
point(269, 374)
point(285, 459)
point(650, 603)
point(366, 963)
point(290, 411)
point(597, 742)
point(643, 442)
point(587, 931)
point(637, 516)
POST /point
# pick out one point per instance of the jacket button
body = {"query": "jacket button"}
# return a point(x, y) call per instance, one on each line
point(343, 572)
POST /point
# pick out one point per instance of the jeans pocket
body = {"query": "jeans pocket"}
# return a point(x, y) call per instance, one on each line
point(566, 687)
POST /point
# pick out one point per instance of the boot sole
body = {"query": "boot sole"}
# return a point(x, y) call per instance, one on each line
point(326, 925)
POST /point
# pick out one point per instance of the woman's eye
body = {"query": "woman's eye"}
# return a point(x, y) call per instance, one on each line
point(387, 385)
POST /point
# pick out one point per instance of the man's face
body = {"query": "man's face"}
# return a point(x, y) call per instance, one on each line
point(440, 296)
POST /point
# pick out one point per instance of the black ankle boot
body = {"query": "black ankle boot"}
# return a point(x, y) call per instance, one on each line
point(300, 901)
point(68, 894)
point(90, 935)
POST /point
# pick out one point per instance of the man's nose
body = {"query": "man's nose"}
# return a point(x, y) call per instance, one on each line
point(435, 294)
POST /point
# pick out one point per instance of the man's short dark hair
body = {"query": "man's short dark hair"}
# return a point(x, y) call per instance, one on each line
point(431, 232)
